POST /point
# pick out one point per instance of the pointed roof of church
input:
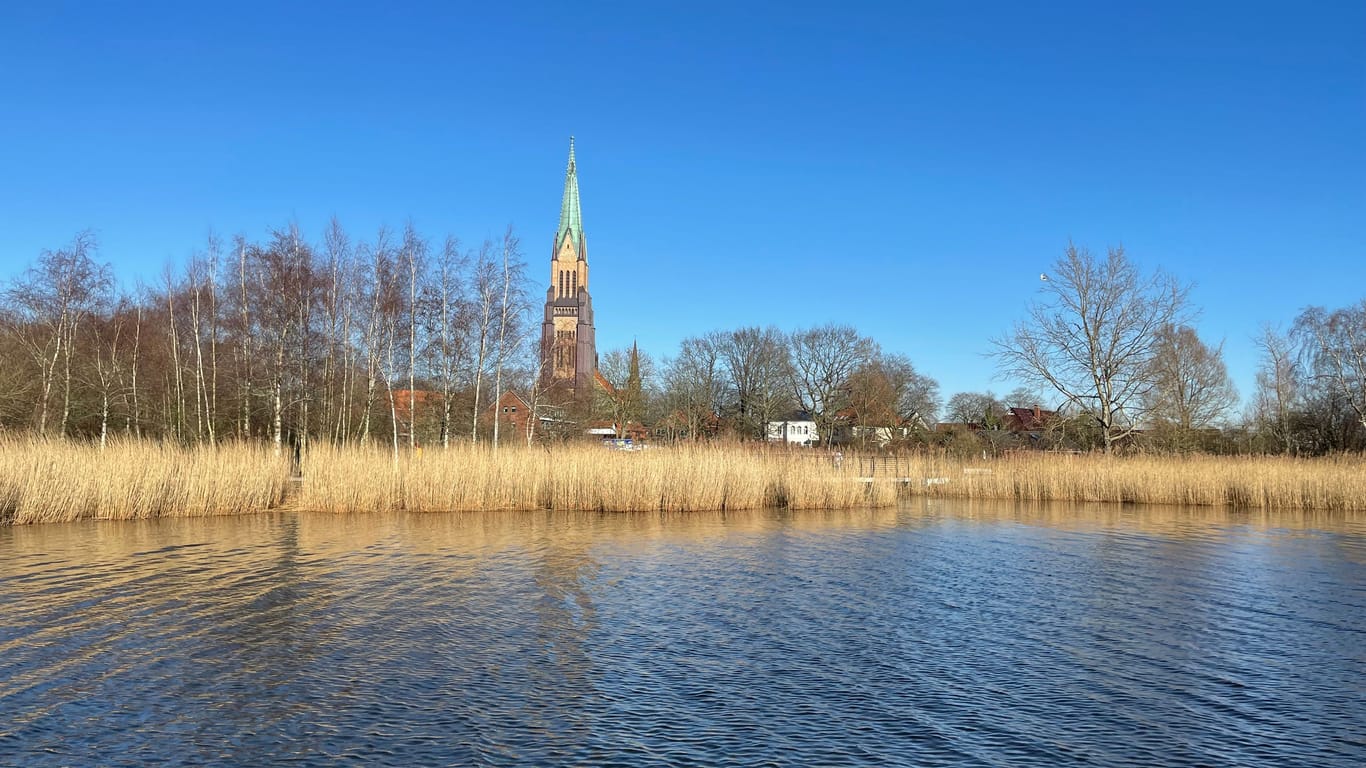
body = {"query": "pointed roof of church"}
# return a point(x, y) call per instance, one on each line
point(633, 370)
point(571, 219)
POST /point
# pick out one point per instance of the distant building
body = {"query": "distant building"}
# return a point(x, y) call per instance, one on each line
point(512, 413)
point(851, 429)
point(569, 357)
point(607, 429)
point(879, 436)
point(1016, 421)
point(1032, 420)
point(799, 430)
point(414, 406)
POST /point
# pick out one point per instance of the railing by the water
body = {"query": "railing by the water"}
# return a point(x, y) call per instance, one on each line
point(889, 467)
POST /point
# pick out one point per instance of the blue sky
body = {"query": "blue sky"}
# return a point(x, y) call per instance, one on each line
point(908, 168)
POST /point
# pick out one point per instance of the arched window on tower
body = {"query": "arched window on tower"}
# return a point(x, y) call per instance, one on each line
point(574, 283)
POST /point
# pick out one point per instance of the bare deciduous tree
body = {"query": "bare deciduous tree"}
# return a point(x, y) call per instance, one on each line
point(1022, 397)
point(17, 385)
point(378, 285)
point(414, 257)
point(199, 275)
point(1334, 348)
point(756, 364)
point(48, 304)
point(1278, 389)
point(485, 293)
point(512, 308)
point(889, 399)
point(823, 359)
point(628, 371)
point(107, 333)
point(1191, 388)
point(1093, 337)
point(693, 386)
point(338, 302)
point(281, 288)
point(982, 409)
point(245, 340)
point(450, 318)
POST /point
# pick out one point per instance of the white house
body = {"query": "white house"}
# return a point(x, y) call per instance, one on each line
point(793, 432)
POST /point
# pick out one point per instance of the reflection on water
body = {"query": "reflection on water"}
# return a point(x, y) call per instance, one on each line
point(940, 633)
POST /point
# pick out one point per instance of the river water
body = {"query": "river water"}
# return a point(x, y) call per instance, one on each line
point(938, 633)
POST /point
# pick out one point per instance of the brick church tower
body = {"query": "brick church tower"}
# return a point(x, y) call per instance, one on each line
point(569, 356)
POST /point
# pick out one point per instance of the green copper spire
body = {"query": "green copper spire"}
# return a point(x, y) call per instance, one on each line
point(571, 220)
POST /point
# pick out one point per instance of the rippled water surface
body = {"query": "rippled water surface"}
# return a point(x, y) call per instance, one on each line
point(934, 634)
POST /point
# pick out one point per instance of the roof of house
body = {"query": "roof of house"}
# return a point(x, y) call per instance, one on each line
point(419, 397)
point(1028, 419)
point(798, 415)
point(509, 398)
point(603, 382)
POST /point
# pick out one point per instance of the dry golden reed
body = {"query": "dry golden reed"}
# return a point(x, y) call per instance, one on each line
point(577, 477)
point(57, 481)
point(1333, 484)
point(48, 481)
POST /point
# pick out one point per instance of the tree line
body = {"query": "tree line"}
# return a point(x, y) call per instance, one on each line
point(1116, 347)
point(737, 382)
point(402, 340)
point(281, 339)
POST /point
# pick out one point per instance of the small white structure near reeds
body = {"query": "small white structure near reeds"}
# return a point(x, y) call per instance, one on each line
point(792, 432)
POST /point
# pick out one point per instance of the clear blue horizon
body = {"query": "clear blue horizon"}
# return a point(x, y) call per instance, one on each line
point(907, 168)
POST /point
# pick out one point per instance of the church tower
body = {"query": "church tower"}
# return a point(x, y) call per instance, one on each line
point(569, 356)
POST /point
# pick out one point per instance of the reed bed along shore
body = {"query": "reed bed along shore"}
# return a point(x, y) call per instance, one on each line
point(60, 481)
point(51, 481)
point(1267, 483)
point(577, 477)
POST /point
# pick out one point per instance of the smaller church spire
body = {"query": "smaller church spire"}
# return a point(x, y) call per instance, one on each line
point(635, 401)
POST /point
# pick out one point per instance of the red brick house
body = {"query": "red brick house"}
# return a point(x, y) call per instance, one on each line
point(512, 413)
